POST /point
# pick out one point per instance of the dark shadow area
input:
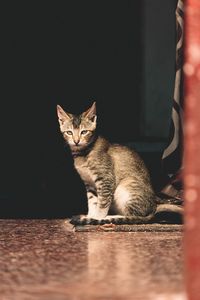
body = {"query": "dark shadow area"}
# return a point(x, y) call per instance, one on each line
point(68, 53)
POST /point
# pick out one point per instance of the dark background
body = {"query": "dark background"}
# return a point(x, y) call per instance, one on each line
point(119, 53)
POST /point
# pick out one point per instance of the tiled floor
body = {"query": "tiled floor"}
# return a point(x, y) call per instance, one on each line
point(45, 259)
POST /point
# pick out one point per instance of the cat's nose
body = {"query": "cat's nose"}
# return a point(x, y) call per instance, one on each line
point(76, 142)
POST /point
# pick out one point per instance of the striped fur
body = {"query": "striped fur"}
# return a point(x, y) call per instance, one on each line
point(117, 182)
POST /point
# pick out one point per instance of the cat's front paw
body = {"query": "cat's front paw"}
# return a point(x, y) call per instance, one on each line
point(77, 220)
point(82, 220)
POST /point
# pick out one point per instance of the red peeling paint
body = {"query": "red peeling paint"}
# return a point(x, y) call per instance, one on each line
point(192, 148)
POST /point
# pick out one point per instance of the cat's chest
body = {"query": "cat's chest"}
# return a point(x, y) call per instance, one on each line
point(85, 172)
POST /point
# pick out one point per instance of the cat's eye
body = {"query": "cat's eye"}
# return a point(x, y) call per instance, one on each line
point(68, 132)
point(83, 132)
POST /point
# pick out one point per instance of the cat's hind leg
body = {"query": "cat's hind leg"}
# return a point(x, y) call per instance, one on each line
point(133, 199)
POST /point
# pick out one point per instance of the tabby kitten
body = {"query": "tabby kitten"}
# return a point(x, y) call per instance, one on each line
point(117, 182)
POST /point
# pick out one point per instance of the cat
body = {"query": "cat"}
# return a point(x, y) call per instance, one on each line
point(117, 182)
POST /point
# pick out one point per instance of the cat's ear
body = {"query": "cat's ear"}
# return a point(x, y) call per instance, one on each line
point(62, 115)
point(90, 113)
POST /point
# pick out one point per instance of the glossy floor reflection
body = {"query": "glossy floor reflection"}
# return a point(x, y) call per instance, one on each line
point(43, 259)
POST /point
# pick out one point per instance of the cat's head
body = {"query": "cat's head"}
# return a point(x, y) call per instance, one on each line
point(78, 130)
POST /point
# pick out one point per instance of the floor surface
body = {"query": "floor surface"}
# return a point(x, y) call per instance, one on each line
point(46, 260)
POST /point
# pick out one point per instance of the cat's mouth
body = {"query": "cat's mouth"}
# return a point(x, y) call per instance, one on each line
point(78, 147)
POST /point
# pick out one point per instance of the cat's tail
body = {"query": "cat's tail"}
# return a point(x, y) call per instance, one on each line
point(112, 219)
point(171, 208)
point(169, 213)
point(165, 213)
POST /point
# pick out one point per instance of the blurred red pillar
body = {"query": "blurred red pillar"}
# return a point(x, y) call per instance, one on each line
point(192, 148)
